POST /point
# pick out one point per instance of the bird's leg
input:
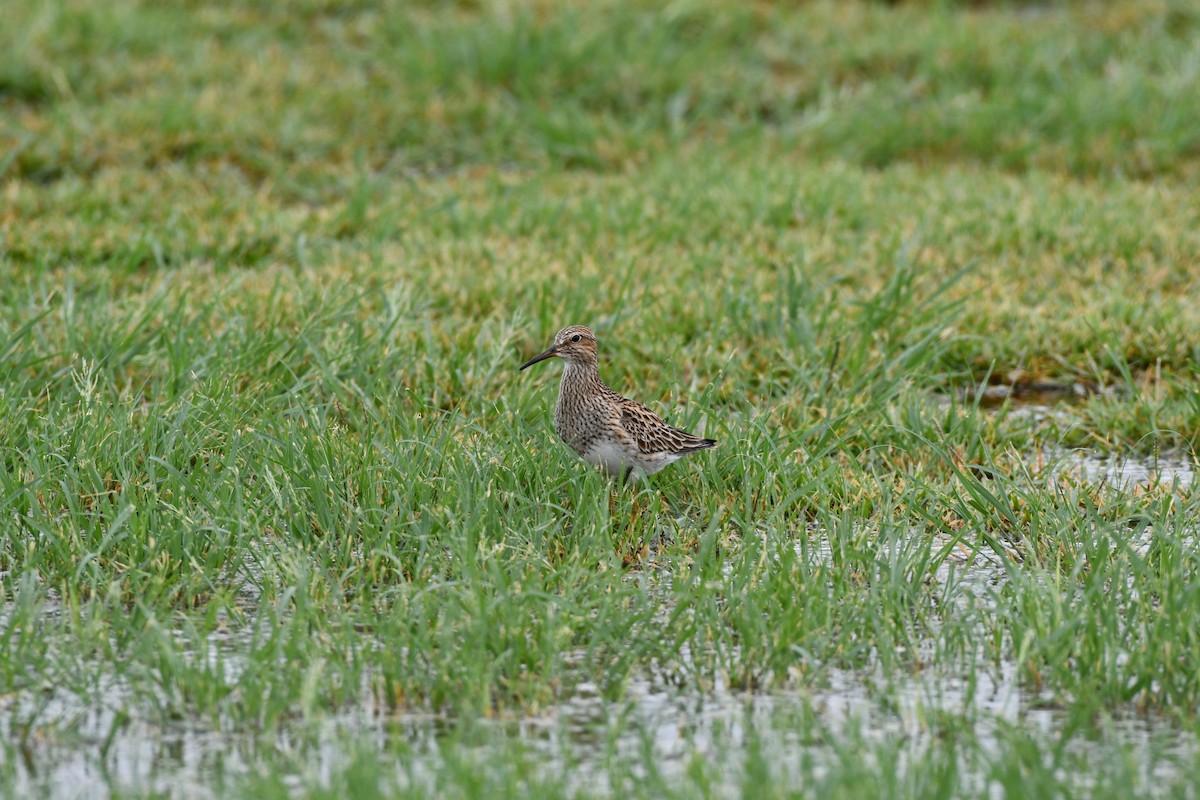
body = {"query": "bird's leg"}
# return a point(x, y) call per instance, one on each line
point(675, 512)
point(629, 478)
point(664, 526)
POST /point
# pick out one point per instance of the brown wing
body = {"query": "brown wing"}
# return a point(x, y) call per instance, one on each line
point(655, 436)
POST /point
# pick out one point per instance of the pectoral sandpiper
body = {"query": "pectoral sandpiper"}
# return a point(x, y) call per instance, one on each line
point(609, 431)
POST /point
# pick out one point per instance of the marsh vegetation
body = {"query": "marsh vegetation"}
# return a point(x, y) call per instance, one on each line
point(279, 516)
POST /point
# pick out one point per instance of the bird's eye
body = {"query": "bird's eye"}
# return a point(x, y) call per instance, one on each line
point(576, 338)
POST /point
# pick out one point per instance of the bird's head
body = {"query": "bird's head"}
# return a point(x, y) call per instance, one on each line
point(574, 343)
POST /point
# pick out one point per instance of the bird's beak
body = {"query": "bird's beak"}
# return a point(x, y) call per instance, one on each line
point(551, 353)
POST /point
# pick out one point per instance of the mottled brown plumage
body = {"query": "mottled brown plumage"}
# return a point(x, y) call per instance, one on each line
point(607, 430)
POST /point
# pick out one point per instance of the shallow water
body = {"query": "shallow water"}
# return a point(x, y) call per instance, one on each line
point(585, 734)
point(92, 751)
point(1121, 472)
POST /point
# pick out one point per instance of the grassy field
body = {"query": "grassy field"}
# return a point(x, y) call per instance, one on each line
point(279, 516)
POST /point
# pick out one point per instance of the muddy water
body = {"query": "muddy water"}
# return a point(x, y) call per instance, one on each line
point(657, 725)
point(1031, 394)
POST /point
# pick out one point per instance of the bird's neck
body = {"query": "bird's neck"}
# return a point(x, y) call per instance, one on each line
point(579, 376)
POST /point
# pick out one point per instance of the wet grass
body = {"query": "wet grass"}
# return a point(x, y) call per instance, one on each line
point(279, 516)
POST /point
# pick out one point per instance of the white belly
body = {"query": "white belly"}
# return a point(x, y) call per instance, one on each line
point(608, 456)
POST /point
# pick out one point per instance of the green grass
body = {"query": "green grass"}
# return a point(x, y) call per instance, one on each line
point(279, 516)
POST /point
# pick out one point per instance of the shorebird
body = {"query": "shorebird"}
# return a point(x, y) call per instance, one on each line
point(609, 431)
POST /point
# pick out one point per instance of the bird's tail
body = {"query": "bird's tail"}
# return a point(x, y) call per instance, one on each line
point(701, 444)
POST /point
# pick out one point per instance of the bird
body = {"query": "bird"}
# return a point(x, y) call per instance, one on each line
point(611, 432)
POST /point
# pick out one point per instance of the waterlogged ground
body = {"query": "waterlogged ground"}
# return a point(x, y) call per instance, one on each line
point(673, 726)
point(280, 517)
